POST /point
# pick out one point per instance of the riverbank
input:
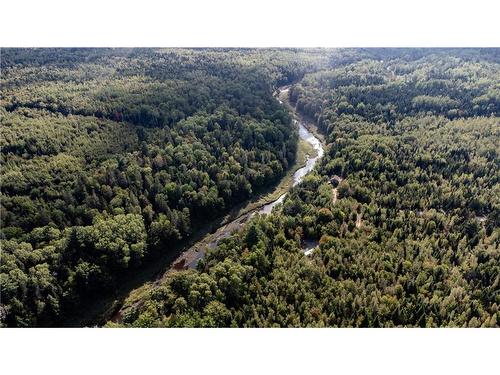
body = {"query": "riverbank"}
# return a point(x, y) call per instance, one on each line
point(309, 151)
point(307, 121)
point(135, 282)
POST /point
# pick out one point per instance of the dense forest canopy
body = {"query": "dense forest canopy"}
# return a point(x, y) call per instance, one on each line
point(404, 209)
point(112, 156)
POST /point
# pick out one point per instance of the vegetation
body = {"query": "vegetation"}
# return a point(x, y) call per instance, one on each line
point(413, 238)
point(110, 157)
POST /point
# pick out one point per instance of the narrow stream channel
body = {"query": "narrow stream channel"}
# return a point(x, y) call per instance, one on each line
point(96, 313)
point(226, 230)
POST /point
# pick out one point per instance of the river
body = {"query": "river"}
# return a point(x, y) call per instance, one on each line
point(191, 257)
point(97, 311)
point(299, 175)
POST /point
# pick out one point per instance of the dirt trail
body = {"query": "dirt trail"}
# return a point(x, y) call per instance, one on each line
point(335, 195)
point(358, 220)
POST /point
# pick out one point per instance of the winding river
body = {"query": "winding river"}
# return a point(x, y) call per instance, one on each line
point(299, 175)
point(191, 257)
point(97, 311)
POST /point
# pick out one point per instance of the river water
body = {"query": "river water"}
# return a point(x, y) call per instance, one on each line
point(298, 176)
point(93, 314)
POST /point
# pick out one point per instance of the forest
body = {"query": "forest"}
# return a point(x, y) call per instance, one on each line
point(404, 210)
point(112, 156)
